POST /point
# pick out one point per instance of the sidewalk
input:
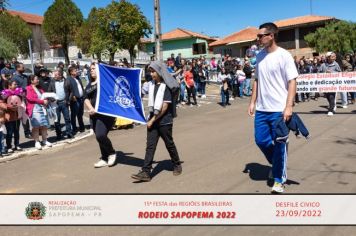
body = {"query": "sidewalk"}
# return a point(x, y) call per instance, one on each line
point(28, 145)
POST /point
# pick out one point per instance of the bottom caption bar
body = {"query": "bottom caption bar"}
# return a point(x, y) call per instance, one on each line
point(177, 209)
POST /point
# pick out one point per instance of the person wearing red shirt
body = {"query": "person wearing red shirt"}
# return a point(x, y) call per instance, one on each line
point(189, 81)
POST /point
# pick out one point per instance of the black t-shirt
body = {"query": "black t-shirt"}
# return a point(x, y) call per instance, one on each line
point(167, 118)
point(90, 93)
point(44, 83)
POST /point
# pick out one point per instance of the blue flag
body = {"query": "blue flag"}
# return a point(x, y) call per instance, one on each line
point(119, 93)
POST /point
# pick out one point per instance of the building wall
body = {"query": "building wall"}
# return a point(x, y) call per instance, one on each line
point(183, 46)
point(307, 52)
point(39, 42)
point(291, 38)
point(234, 50)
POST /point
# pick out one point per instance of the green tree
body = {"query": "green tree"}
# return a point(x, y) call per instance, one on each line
point(337, 36)
point(8, 49)
point(120, 25)
point(133, 26)
point(85, 35)
point(15, 30)
point(4, 4)
point(61, 22)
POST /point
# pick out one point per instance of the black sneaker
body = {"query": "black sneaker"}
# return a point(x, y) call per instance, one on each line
point(28, 136)
point(177, 170)
point(142, 176)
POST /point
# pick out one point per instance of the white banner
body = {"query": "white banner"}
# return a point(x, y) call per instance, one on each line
point(327, 82)
point(177, 209)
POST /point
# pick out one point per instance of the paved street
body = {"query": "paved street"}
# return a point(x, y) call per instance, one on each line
point(219, 154)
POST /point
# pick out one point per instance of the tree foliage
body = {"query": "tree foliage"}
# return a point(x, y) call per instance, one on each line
point(120, 25)
point(133, 26)
point(15, 30)
point(337, 36)
point(83, 37)
point(8, 49)
point(61, 22)
point(4, 4)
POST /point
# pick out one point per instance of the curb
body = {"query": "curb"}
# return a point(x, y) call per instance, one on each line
point(33, 150)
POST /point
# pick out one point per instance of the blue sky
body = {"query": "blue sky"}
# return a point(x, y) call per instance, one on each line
point(214, 17)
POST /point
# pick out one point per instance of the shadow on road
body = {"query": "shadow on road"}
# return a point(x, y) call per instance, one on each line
point(258, 172)
point(128, 159)
point(30, 143)
point(338, 111)
point(165, 165)
point(346, 141)
point(161, 166)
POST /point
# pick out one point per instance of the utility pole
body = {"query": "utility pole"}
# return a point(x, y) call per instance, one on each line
point(158, 34)
point(31, 55)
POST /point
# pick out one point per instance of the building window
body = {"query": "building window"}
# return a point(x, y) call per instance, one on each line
point(227, 51)
point(154, 50)
point(286, 39)
point(199, 48)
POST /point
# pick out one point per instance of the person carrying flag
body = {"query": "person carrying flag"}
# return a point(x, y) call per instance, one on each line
point(160, 120)
point(101, 124)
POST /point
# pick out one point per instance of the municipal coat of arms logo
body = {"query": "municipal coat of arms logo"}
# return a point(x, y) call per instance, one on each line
point(122, 93)
point(35, 211)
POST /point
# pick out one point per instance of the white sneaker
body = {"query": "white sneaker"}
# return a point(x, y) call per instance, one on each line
point(278, 188)
point(100, 164)
point(38, 145)
point(48, 144)
point(330, 113)
point(10, 150)
point(232, 99)
point(91, 132)
point(344, 106)
point(203, 96)
point(112, 160)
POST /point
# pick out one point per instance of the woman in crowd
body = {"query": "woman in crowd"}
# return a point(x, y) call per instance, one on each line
point(223, 78)
point(189, 82)
point(36, 110)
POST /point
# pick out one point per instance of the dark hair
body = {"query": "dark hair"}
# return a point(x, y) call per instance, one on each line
point(18, 65)
point(31, 77)
point(71, 68)
point(11, 81)
point(272, 28)
point(89, 74)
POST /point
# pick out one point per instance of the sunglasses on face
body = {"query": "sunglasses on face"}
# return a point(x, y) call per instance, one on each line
point(262, 35)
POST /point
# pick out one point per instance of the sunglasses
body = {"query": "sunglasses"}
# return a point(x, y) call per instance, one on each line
point(262, 35)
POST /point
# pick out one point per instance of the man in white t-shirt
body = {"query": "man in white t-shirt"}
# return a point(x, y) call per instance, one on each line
point(273, 95)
